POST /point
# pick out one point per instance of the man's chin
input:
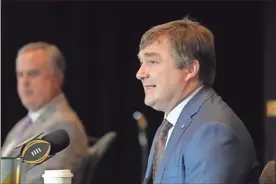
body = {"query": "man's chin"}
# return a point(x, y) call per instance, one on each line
point(151, 103)
point(30, 106)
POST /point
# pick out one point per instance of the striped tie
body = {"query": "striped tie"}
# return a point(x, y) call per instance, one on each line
point(26, 125)
point(160, 145)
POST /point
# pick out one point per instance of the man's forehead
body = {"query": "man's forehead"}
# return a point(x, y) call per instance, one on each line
point(37, 56)
point(147, 54)
point(153, 48)
point(30, 61)
point(33, 53)
point(150, 52)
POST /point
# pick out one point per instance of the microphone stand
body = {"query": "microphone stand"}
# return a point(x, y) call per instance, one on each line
point(143, 141)
point(273, 169)
point(144, 146)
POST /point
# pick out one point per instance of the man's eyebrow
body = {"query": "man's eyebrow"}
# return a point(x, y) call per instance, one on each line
point(148, 54)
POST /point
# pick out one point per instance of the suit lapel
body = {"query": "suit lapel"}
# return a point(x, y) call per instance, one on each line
point(181, 126)
point(50, 111)
point(14, 139)
point(39, 125)
point(179, 129)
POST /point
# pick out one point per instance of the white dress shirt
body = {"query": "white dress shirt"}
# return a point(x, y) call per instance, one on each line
point(173, 116)
point(35, 114)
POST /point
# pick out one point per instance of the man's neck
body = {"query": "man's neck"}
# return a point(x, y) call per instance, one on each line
point(34, 115)
point(189, 89)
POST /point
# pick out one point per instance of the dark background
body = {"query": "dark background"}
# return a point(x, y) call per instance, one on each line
point(100, 42)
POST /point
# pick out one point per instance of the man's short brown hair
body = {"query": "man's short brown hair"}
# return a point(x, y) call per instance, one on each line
point(189, 41)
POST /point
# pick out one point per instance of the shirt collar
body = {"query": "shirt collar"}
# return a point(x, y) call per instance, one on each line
point(34, 115)
point(173, 116)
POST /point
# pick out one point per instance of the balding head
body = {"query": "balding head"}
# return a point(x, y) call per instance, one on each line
point(54, 55)
point(40, 70)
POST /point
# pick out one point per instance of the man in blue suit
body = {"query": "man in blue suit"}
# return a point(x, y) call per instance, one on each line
point(201, 140)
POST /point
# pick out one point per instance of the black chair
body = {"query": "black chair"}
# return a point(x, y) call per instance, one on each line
point(85, 173)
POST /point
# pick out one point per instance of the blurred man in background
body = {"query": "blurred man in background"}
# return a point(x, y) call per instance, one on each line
point(201, 140)
point(40, 71)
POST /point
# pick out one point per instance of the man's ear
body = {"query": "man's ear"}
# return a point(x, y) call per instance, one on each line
point(192, 70)
point(60, 77)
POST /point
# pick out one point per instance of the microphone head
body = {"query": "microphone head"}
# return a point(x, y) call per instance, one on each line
point(58, 139)
point(141, 120)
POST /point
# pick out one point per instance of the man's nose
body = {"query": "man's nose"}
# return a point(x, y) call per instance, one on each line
point(142, 73)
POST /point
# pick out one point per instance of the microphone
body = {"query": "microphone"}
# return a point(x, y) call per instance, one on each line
point(23, 144)
point(142, 124)
point(268, 175)
point(35, 152)
point(39, 150)
point(58, 139)
point(142, 137)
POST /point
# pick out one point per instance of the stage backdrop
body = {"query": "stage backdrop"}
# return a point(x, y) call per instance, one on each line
point(100, 43)
point(270, 81)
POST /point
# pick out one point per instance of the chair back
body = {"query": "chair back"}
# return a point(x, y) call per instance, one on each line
point(85, 173)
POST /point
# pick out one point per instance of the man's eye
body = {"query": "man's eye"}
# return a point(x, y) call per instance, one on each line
point(33, 73)
point(152, 62)
point(18, 74)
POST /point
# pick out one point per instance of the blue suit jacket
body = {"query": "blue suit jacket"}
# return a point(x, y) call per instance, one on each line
point(209, 145)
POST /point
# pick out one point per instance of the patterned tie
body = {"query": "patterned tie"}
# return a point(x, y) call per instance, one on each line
point(25, 126)
point(160, 145)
